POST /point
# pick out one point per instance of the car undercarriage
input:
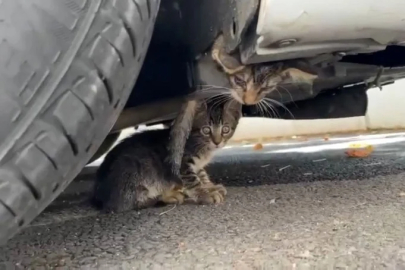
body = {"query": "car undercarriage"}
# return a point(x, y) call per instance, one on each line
point(350, 54)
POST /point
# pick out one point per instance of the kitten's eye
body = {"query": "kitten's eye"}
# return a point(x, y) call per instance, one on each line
point(239, 81)
point(225, 130)
point(206, 130)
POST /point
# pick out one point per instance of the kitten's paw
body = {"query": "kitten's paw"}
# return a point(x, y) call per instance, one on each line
point(221, 189)
point(208, 194)
point(173, 197)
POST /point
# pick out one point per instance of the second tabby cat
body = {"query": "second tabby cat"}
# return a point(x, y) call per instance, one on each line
point(249, 84)
point(133, 174)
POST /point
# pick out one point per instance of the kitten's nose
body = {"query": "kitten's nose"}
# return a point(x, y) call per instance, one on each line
point(216, 142)
point(249, 98)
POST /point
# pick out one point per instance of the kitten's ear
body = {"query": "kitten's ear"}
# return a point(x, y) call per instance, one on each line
point(234, 108)
point(300, 71)
point(229, 63)
point(297, 75)
point(202, 105)
point(200, 115)
point(201, 109)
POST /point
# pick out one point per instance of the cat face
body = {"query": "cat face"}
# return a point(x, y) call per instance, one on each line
point(251, 83)
point(217, 123)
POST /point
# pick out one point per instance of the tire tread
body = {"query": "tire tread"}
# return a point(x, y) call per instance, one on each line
point(62, 99)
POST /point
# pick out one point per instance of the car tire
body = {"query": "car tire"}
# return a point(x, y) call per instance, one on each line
point(67, 68)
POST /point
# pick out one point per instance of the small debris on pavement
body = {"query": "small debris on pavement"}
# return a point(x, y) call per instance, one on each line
point(359, 151)
point(372, 164)
point(273, 201)
point(283, 168)
point(326, 138)
point(258, 146)
point(319, 160)
point(302, 139)
point(402, 194)
point(264, 166)
point(305, 255)
point(351, 250)
point(277, 236)
point(308, 173)
point(167, 211)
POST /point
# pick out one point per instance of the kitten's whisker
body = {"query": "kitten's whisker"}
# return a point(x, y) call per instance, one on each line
point(288, 92)
point(281, 96)
point(272, 108)
point(206, 90)
point(219, 101)
point(222, 101)
point(291, 98)
point(216, 104)
point(220, 96)
point(202, 86)
point(275, 102)
point(264, 107)
point(295, 83)
point(208, 86)
point(224, 94)
point(212, 90)
point(217, 96)
point(258, 105)
point(227, 99)
point(280, 104)
point(210, 97)
point(234, 159)
point(266, 111)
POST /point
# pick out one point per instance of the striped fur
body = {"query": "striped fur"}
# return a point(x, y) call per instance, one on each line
point(134, 174)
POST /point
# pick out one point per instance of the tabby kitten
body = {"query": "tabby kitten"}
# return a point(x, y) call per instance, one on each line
point(213, 126)
point(133, 174)
point(250, 84)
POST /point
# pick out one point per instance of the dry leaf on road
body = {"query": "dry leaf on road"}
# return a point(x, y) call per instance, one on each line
point(258, 146)
point(357, 152)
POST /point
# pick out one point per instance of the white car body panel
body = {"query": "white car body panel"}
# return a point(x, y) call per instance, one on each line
point(289, 29)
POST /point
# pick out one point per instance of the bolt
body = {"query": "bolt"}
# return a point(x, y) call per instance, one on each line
point(286, 42)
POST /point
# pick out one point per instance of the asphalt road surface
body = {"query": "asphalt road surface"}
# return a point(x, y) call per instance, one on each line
point(291, 205)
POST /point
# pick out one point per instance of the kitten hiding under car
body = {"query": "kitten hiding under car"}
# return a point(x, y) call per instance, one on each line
point(249, 85)
point(133, 176)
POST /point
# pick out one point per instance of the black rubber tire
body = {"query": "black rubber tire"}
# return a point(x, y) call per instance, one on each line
point(67, 68)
